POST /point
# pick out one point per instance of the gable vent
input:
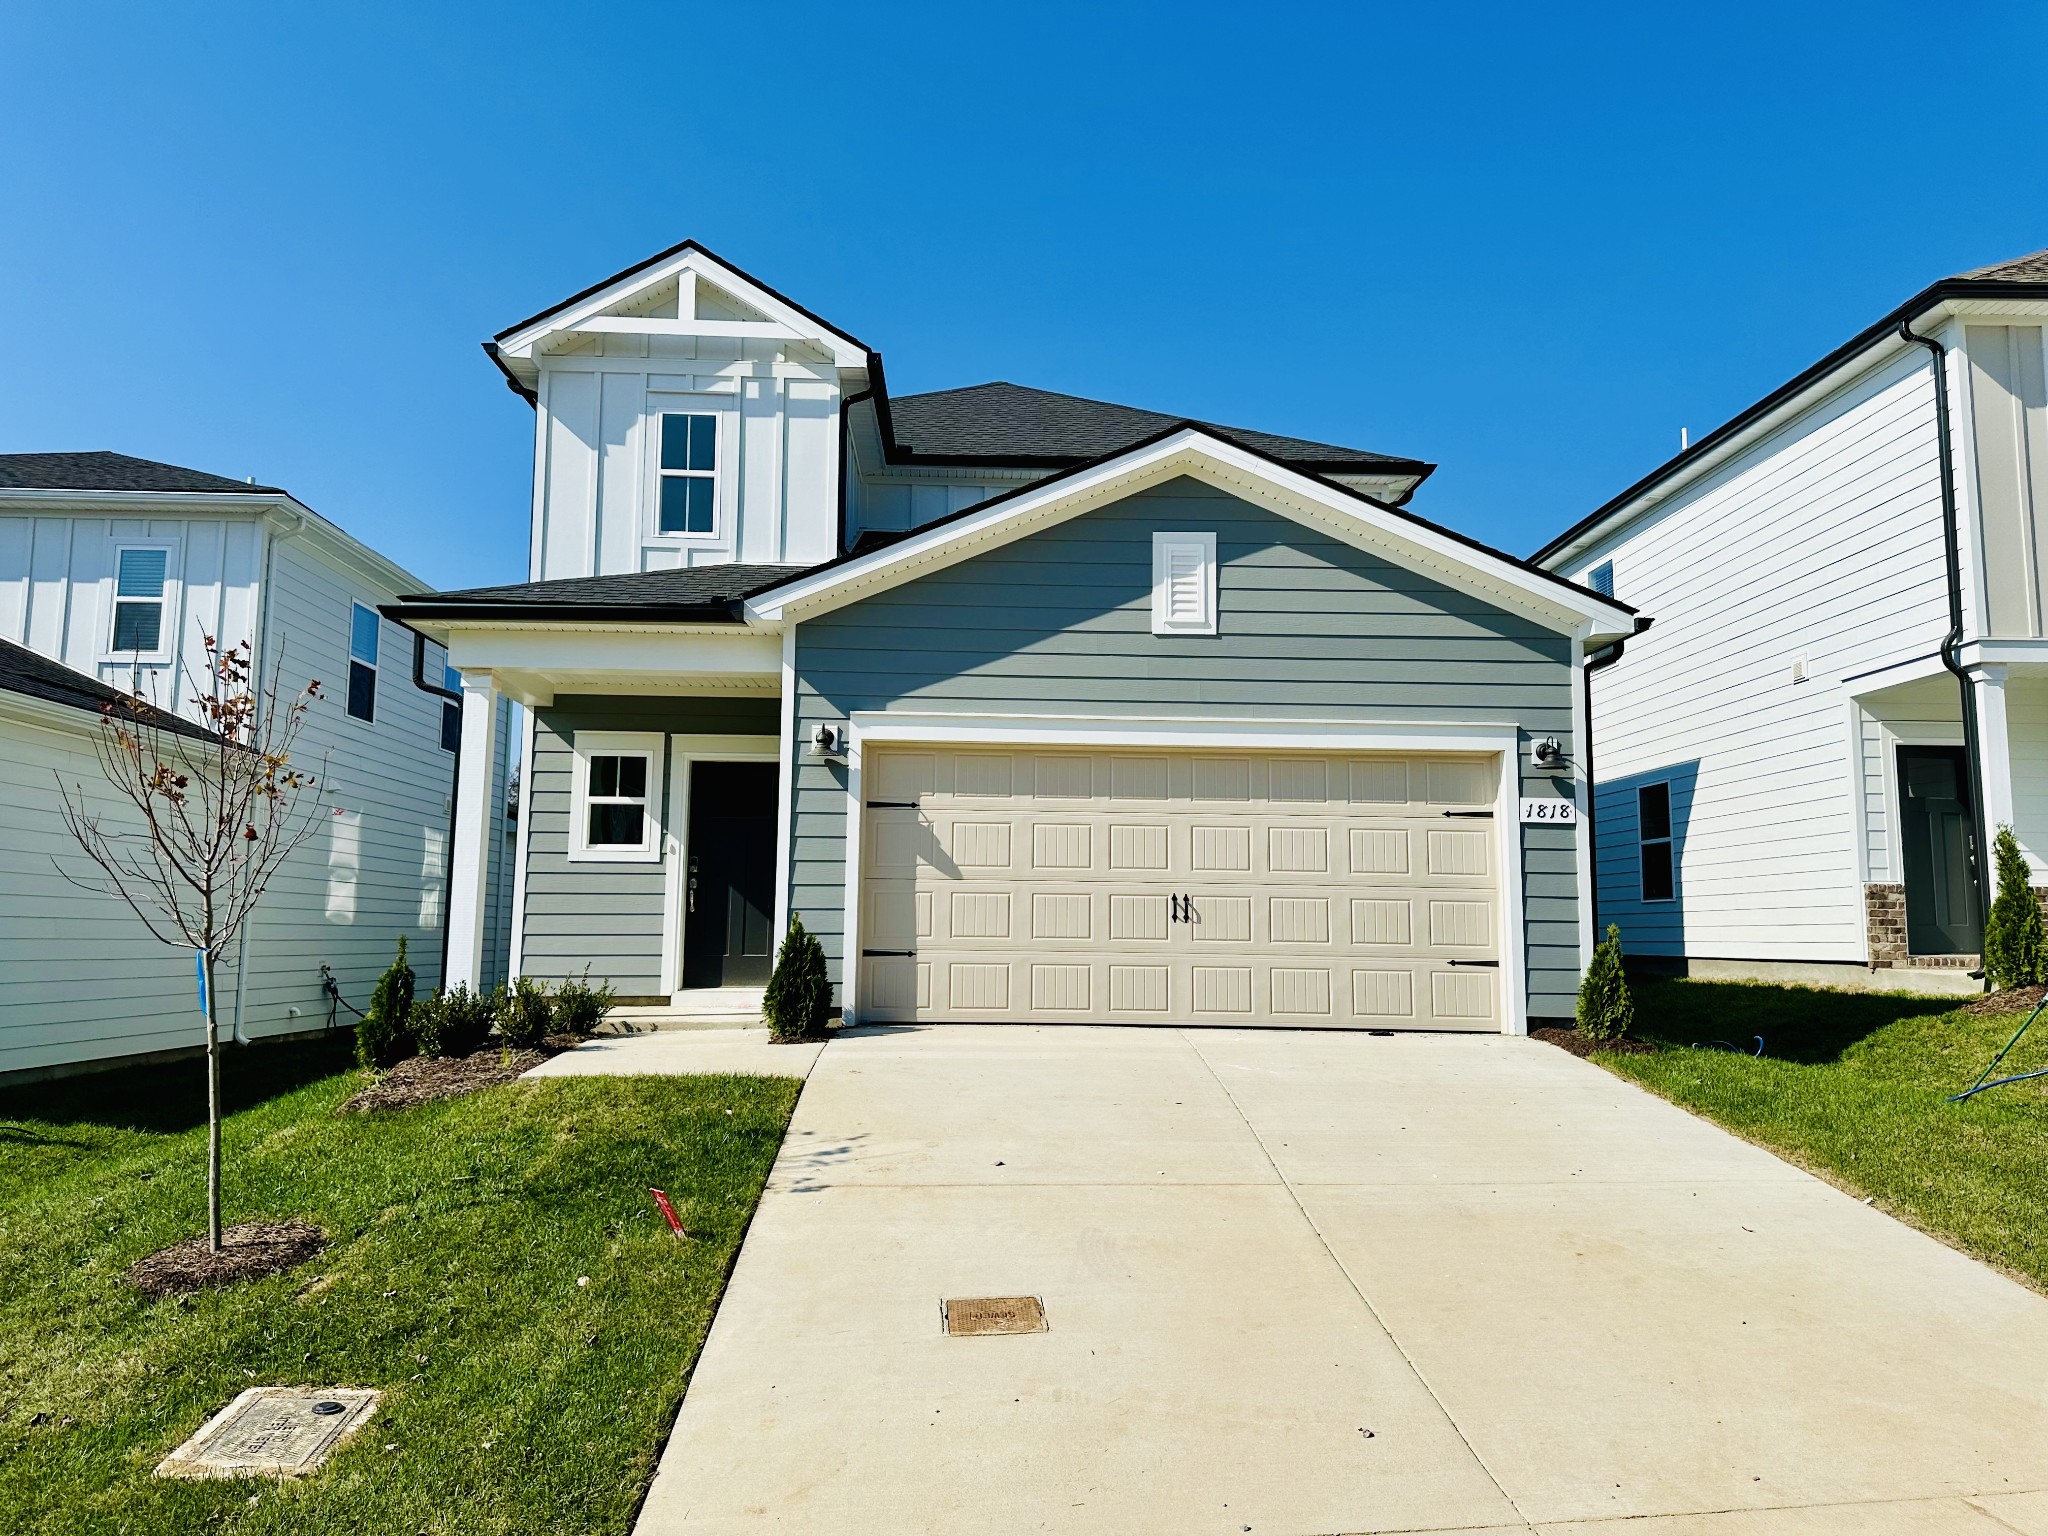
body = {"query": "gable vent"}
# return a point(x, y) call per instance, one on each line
point(1183, 583)
point(1601, 578)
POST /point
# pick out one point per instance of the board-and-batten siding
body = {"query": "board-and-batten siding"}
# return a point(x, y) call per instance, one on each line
point(1060, 622)
point(608, 916)
point(1820, 544)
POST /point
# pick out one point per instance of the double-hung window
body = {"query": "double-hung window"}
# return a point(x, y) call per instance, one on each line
point(141, 573)
point(451, 712)
point(362, 662)
point(614, 796)
point(1653, 841)
point(688, 497)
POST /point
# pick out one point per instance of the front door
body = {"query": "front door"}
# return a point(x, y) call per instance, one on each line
point(729, 895)
point(1937, 829)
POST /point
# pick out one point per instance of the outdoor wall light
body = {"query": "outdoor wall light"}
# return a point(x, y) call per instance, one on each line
point(828, 743)
point(1547, 752)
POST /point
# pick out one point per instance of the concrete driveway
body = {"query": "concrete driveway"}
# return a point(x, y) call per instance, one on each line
point(1300, 1284)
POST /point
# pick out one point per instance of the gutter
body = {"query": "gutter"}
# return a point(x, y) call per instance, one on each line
point(1952, 560)
point(846, 405)
point(413, 614)
point(512, 380)
point(419, 681)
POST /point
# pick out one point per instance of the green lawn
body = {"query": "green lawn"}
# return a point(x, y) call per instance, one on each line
point(1851, 1086)
point(516, 1399)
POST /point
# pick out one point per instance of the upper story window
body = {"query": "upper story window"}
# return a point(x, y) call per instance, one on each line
point(689, 474)
point(1653, 841)
point(1601, 578)
point(451, 712)
point(141, 573)
point(1183, 583)
point(362, 662)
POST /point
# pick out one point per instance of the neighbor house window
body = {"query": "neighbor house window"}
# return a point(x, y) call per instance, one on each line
point(140, 575)
point(1653, 840)
point(362, 662)
point(689, 474)
point(1183, 583)
point(614, 792)
point(1601, 578)
point(451, 712)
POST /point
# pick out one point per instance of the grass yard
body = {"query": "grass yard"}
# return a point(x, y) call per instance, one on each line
point(516, 1399)
point(1851, 1086)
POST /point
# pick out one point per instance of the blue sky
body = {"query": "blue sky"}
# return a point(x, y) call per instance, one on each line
point(1527, 243)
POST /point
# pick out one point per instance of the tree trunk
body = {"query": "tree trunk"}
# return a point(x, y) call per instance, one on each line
point(212, 1110)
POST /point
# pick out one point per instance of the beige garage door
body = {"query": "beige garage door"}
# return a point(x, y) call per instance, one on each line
point(1209, 888)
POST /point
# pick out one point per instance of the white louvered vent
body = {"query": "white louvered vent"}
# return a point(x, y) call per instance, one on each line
point(1183, 583)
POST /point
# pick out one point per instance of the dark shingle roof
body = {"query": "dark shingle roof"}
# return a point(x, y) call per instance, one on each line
point(34, 675)
point(104, 471)
point(1011, 424)
point(706, 593)
point(2032, 268)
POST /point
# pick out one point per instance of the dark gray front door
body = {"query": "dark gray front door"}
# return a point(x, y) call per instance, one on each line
point(729, 900)
point(1938, 831)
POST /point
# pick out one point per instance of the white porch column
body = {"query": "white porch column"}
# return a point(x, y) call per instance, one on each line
point(470, 859)
point(1994, 745)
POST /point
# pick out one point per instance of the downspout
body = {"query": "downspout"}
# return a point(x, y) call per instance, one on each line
point(419, 681)
point(1952, 556)
point(846, 405)
point(1606, 656)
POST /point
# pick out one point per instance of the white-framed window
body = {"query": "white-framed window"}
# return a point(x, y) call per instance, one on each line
point(615, 797)
point(451, 712)
point(1653, 842)
point(140, 625)
point(686, 495)
point(364, 629)
point(1183, 583)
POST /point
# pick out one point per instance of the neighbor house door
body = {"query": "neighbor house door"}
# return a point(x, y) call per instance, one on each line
point(1938, 833)
point(729, 880)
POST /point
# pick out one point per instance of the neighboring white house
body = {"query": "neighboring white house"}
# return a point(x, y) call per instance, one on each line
point(1846, 682)
point(112, 572)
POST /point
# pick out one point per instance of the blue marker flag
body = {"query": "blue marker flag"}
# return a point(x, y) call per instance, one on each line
point(199, 969)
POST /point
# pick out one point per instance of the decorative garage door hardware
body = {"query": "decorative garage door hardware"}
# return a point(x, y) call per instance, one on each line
point(1183, 909)
point(888, 954)
point(892, 805)
point(1481, 815)
point(1492, 965)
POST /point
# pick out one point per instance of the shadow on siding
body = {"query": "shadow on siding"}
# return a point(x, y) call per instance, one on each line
point(170, 1096)
point(1647, 927)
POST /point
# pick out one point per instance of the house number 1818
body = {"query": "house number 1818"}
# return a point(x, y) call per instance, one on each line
point(1552, 812)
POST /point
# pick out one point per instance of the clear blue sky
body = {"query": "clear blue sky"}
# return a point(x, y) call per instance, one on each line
point(1526, 242)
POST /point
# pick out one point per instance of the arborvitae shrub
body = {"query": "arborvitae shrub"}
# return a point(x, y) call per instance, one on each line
point(2014, 942)
point(1605, 1009)
point(384, 1036)
point(799, 996)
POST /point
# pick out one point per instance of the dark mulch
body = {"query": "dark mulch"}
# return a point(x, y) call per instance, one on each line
point(1571, 1040)
point(424, 1079)
point(2011, 1000)
point(248, 1251)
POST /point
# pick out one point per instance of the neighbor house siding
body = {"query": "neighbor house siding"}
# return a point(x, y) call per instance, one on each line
point(608, 916)
point(1060, 622)
point(1821, 544)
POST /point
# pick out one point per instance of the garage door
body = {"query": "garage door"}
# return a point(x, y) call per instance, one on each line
point(1060, 887)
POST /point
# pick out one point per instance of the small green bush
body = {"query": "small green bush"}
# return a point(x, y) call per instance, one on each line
point(454, 1023)
point(526, 1015)
point(384, 1037)
point(580, 1007)
point(2015, 947)
point(799, 996)
point(1605, 1009)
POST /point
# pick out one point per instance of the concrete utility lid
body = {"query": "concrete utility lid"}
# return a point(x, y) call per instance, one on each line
point(995, 1314)
point(272, 1432)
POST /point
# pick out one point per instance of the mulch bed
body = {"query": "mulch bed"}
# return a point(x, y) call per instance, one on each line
point(248, 1251)
point(2011, 1000)
point(424, 1079)
point(1571, 1040)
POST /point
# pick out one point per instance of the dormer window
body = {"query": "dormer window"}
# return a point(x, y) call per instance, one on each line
point(689, 474)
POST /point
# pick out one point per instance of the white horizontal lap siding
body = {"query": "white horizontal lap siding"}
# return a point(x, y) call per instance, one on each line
point(2026, 719)
point(80, 977)
point(1822, 542)
point(389, 776)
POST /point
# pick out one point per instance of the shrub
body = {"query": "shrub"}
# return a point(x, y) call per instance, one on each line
point(384, 1037)
point(526, 1014)
point(1605, 1009)
point(454, 1023)
point(799, 995)
point(2015, 948)
point(580, 1007)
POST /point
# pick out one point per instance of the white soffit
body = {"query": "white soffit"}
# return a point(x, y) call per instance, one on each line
point(1200, 456)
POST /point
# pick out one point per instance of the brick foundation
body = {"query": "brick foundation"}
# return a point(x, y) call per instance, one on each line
point(1884, 920)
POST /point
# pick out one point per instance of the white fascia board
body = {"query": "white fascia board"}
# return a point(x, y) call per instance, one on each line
point(1199, 456)
point(521, 343)
point(1183, 731)
point(654, 650)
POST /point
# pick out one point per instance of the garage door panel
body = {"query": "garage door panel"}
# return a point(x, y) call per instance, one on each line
point(1321, 889)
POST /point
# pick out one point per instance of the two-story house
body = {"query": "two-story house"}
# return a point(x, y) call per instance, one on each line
point(1034, 708)
point(113, 570)
point(1845, 689)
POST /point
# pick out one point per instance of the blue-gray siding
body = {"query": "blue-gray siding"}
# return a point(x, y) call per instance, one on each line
point(604, 915)
point(1060, 622)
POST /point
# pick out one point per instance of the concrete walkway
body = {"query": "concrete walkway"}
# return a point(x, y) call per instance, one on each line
point(668, 1052)
point(1303, 1284)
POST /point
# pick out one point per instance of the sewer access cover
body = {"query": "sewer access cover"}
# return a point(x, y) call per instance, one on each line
point(995, 1314)
point(272, 1432)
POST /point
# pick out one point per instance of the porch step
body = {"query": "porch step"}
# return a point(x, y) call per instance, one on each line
point(693, 1008)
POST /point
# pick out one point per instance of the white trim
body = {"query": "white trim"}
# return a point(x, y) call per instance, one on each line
point(1164, 547)
point(685, 752)
point(1907, 733)
point(1503, 741)
point(469, 858)
point(785, 790)
point(723, 438)
point(1582, 836)
point(1994, 751)
point(517, 957)
point(376, 664)
point(1197, 455)
point(606, 743)
point(170, 614)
